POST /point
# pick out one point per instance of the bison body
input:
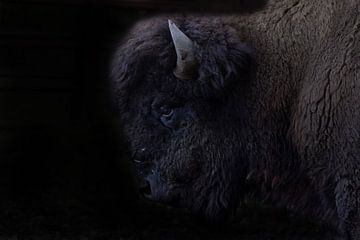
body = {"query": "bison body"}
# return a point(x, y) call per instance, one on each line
point(273, 110)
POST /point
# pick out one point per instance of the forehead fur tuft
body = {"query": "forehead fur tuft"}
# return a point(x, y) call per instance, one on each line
point(148, 52)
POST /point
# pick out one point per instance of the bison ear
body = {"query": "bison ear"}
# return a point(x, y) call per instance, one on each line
point(225, 64)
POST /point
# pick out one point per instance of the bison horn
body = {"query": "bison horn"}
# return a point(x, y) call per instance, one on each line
point(187, 65)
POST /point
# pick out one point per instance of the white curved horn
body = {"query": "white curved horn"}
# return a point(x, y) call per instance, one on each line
point(187, 64)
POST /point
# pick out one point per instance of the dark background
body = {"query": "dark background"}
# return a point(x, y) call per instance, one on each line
point(61, 158)
point(64, 173)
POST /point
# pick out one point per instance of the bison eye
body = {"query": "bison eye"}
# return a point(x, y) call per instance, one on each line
point(166, 111)
point(173, 117)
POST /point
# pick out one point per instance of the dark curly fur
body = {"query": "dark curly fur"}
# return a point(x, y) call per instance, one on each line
point(143, 79)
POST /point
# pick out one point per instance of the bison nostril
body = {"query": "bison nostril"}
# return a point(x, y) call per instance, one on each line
point(183, 124)
point(145, 189)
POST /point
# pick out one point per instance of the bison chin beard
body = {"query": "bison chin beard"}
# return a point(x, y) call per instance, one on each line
point(217, 202)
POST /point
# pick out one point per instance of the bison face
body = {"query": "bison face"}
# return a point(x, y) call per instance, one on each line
point(187, 136)
point(186, 151)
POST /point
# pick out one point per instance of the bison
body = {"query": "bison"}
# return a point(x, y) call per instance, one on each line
point(217, 107)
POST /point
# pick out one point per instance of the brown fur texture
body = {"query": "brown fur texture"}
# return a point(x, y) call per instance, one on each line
point(309, 64)
point(300, 111)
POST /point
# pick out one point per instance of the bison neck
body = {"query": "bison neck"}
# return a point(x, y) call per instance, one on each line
point(285, 36)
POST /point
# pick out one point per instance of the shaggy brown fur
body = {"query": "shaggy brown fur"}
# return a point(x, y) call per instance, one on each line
point(309, 68)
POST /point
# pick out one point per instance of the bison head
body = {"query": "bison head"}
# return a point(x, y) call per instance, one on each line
point(180, 96)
